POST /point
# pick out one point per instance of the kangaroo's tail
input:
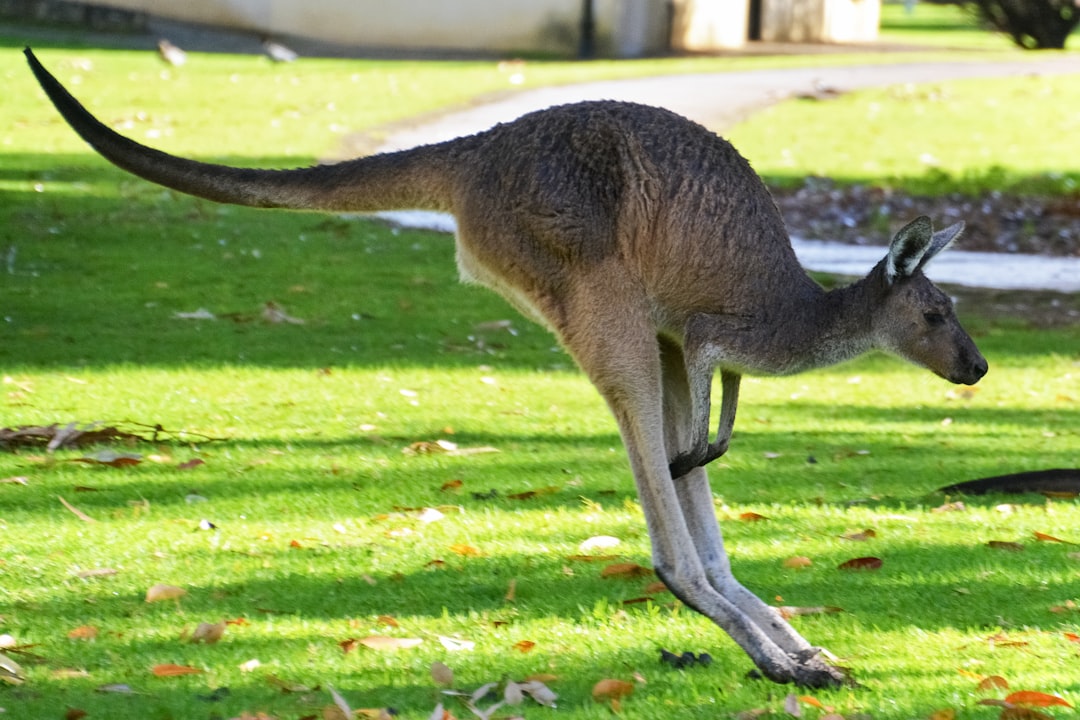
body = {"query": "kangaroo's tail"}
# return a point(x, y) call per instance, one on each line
point(417, 178)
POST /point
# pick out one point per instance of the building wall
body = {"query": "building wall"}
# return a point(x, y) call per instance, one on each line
point(624, 28)
point(807, 21)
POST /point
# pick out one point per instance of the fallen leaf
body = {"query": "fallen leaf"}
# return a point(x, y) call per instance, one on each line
point(75, 714)
point(160, 592)
point(540, 692)
point(752, 517)
point(83, 632)
point(170, 670)
point(451, 485)
point(524, 646)
point(944, 714)
point(862, 536)
point(611, 690)
point(110, 458)
point(76, 511)
point(798, 561)
point(811, 701)
point(513, 694)
point(466, 550)
point(456, 645)
point(861, 563)
point(339, 704)
point(190, 464)
point(208, 633)
point(388, 620)
point(1069, 606)
point(10, 672)
point(382, 642)
point(598, 542)
point(950, 507)
point(1072, 637)
point(993, 682)
point(442, 674)
point(1050, 538)
point(592, 558)
point(625, 570)
point(1031, 698)
point(1005, 545)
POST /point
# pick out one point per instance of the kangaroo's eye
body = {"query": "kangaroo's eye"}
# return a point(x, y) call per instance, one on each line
point(933, 318)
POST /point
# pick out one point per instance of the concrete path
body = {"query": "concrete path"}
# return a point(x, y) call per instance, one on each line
point(718, 100)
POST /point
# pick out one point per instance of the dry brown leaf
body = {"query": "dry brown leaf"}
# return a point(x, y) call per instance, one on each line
point(524, 646)
point(655, 588)
point(76, 511)
point(466, 550)
point(208, 633)
point(799, 561)
point(943, 714)
point(611, 689)
point(1072, 637)
point(75, 714)
point(625, 570)
point(1050, 538)
point(190, 464)
point(388, 620)
point(861, 563)
point(84, 632)
point(442, 674)
point(170, 670)
point(993, 682)
point(1032, 698)
point(451, 485)
point(382, 642)
point(862, 536)
point(752, 517)
point(161, 591)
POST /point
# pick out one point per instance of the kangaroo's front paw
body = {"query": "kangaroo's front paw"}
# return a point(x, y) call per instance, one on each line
point(684, 462)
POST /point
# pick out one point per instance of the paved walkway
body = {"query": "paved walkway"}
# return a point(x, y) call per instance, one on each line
point(719, 100)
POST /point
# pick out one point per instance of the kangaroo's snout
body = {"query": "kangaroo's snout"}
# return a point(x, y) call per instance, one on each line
point(970, 368)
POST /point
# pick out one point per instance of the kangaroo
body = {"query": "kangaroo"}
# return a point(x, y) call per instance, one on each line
point(655, 254)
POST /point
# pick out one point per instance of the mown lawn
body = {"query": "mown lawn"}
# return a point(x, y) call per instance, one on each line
point(308, 525)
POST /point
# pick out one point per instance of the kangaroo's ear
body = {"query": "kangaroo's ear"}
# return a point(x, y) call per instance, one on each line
point(941, 240)
point(908, 247)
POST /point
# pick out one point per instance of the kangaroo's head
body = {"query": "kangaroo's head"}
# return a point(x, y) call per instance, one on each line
point(915, 319)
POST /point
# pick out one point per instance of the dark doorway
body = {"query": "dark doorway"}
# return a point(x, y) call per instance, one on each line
point(753, 22)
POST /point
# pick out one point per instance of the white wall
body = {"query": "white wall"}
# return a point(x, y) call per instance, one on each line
point(623, 27)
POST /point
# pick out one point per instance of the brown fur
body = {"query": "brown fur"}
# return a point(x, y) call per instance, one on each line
point(655, 254)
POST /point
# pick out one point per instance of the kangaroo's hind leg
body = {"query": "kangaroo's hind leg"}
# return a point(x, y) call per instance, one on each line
point(696, 504)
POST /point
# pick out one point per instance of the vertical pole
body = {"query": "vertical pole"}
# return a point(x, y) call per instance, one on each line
point(587, 46)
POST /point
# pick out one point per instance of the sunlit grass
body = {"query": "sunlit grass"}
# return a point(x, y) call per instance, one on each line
point(316, 506)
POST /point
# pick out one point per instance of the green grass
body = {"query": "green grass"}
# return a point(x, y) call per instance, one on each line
point(312, 494)
point(970, 136)
point(934, 25)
